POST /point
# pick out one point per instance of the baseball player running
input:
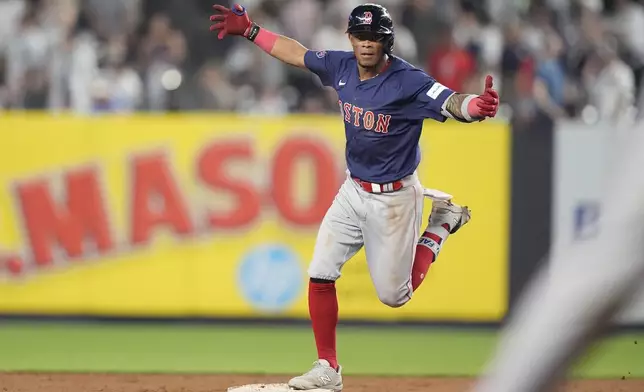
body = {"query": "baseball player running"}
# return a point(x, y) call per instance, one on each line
point(383, 101)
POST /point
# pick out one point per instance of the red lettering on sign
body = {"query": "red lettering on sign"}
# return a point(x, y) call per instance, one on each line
point(81, 217)
point(156, 199)
point(285, 183)
point(158, 202)
point(211, 166)
point(13, 264)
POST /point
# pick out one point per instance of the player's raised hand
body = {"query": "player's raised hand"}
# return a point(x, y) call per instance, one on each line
point(488, 102)
point(233, 21)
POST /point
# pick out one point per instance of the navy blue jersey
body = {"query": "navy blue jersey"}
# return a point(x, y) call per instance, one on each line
point(383, 116)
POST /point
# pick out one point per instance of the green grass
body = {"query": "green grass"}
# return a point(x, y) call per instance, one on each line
point(282, 350)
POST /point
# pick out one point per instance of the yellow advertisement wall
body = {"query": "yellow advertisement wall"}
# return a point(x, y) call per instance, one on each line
point(216, 216)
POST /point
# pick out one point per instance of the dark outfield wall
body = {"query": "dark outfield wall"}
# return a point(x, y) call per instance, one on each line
point(531, 187)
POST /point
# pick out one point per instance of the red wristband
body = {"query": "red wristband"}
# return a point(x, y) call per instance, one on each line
point(265, 40)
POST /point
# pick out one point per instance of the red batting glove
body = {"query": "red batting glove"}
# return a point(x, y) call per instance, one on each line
point(233, 21)
point(485, 105)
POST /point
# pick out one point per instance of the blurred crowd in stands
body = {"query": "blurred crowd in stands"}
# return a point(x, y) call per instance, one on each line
point(558, 58)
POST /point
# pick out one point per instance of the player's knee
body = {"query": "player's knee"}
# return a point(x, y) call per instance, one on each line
point(393, 298)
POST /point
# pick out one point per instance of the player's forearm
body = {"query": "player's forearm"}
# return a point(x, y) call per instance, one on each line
point(461, 107)
point(289, 51)
point(279, 46)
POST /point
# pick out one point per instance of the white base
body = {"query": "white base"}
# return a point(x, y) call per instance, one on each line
point(268, 388)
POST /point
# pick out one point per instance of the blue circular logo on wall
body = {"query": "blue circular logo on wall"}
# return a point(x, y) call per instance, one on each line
point(270, 277)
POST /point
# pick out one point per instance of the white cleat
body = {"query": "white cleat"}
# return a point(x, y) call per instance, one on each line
point(446, 212)
point(321, 376)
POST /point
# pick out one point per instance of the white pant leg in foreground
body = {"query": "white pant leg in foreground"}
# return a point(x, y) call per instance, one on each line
point(564, 307)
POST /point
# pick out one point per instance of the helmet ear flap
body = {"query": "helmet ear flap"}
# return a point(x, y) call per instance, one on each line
point(389, 45)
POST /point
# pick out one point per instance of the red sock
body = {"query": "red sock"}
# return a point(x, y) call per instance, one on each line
point(426, 253)
point(323, 309)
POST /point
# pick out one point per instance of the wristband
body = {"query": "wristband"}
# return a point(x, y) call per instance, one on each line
point(253, 32)
point(470, 113)
point(261, 37)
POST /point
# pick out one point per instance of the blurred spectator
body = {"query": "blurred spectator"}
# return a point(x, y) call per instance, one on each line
point(550, 57)
point(467, 30)
point(270, 103)
point(117, 87)
point(244, 61)
point(313, 104)
point(332, 36)
point(490, 42)
point(10, 15)
point(162, 52)
point(215, 90)
point(610, 84)
point(425, 22)
point(450, 63)
point(301, 19)
point(628, 25)
point(550, 78)
point(113, 17)
point(28, 55)
point(74, 62)
point(514, 60)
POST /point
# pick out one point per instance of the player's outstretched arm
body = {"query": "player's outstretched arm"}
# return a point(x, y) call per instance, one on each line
point(471, 108)
point(235, 21)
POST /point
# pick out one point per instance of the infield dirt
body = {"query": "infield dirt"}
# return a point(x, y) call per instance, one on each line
point(57, 382)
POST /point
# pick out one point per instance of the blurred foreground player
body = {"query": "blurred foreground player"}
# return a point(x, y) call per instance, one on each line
point(571, 302)
point(383, 101)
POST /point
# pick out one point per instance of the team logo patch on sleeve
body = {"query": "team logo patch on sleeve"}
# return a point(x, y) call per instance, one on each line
point(436, 90)
point(321, 54)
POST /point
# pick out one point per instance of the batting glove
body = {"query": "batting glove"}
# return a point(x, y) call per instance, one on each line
point(487, 104)
point(233, 21)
